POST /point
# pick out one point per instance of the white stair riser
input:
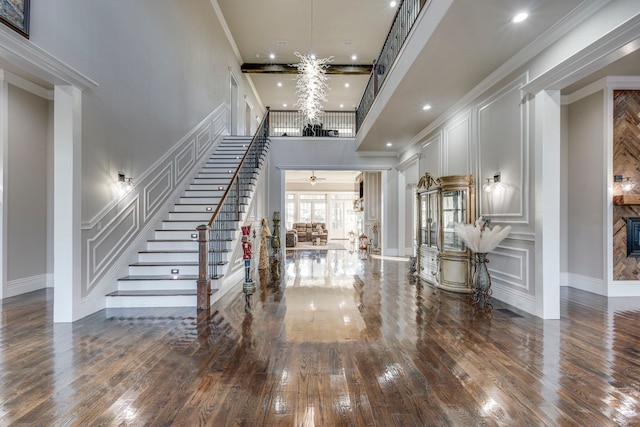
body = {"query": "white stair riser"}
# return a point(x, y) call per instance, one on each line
point(159, 245)
point(212, 180)
point(195, 208)
point(209, 194)
point(210, 186)
point(155, 245)
point(181, 225)
point(152, 285)
point(186, 234)
point(203, 217)
point(175, 234)
point(162, 270)
point(152, 301)
point(199, 201)
point(168, 257)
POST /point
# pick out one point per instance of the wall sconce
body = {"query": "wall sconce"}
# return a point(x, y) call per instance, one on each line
point(125, 182)
point(492, 183)
point(124, 186)
point(312, 179)
point(626, 183)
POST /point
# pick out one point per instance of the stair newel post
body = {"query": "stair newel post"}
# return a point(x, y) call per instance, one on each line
point(204, 284)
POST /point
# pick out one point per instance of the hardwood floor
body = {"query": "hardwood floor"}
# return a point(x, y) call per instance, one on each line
point(338, 342)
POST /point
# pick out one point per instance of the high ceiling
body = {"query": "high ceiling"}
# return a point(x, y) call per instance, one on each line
point(471, 40)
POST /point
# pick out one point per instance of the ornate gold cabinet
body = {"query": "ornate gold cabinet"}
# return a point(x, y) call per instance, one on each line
point(443, 258)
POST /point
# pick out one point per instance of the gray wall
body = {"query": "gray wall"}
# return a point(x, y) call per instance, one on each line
point(585, 198)
point(28, 132)
point(161, 69)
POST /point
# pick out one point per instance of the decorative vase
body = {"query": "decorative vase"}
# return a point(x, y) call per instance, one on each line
point(481, 278)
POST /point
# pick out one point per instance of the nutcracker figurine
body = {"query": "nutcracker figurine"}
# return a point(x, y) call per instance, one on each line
point(249, 287)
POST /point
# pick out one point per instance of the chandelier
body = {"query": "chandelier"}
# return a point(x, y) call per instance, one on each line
point(311, 85)
point(311, 82)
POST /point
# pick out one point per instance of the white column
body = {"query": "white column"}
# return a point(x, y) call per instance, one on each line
point(547, 204)
point(67, 265)
point(4, 144)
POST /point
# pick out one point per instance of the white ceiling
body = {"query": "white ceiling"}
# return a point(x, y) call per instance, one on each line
point(471, 41)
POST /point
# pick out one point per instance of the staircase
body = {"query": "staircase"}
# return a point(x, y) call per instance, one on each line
point(166, 272)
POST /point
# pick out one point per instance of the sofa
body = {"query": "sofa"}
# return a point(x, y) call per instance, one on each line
point(306, 231)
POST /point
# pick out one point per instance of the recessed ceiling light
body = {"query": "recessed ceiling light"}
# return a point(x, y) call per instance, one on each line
point(284, 105)
point(279, 84)
point(341, 105)
point(389, 144)
point(354, 57)
point(346, 85)
point(519, 17)
point(426, 107)
point(272, 56)
point(393, 3)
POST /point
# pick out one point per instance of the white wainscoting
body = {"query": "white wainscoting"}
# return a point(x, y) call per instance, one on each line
point(510, 266)
point(129, 222)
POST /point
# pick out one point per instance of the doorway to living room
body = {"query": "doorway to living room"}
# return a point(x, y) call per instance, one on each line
point(322, 202)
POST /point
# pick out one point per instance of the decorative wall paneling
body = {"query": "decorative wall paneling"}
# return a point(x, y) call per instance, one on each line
point(431, 157)
point(503, 146)
point(494, 135)
point(120, 230)
point(457, 147)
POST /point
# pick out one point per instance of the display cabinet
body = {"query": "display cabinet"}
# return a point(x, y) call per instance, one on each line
point(443, 258)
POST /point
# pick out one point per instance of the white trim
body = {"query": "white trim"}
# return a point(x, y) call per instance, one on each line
point(585, 91)
point(618, 43)
point(26, 55)
point(514, 297)
point(630, 288)
point(26, 85)
point(588, 284)
point(408, 162)
point(26, 284)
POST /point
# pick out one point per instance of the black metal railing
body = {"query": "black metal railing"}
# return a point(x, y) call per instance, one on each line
point(340, 124)
point(406, 16)
point(216, 237)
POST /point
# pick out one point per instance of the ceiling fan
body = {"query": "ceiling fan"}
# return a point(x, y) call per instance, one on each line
point(313, 179)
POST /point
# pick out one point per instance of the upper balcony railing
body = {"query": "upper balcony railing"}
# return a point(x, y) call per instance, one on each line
point(340, 124)
point(406, 16)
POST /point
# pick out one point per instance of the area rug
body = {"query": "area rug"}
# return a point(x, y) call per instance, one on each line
point(308, 246)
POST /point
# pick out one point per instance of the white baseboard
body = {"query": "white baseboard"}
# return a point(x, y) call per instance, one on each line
point(25, 285)
point(588, 284)
point(512, 297)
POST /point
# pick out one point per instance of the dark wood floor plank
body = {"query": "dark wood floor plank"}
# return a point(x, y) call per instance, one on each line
point(337, 341)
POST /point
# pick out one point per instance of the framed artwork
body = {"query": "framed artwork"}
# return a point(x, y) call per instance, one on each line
point(15, 14)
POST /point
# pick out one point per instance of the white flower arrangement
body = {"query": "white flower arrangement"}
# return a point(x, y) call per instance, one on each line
point(479, 237)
